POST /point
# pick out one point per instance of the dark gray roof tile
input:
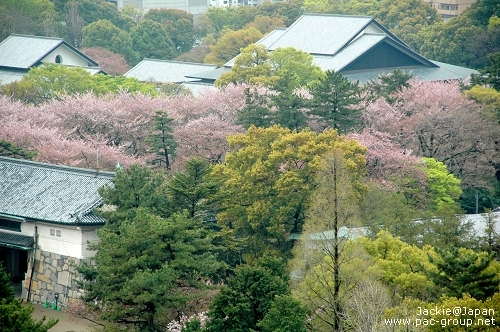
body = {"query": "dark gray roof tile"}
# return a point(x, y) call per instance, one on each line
point(51, 193)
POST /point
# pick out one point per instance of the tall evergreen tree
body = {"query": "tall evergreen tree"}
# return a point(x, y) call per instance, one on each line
point(162, 140)
point(336, 102)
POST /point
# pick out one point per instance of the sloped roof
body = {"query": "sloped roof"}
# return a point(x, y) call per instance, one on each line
point(50, 193)
point(16, 241)
point(165, 71)
point(22, 51)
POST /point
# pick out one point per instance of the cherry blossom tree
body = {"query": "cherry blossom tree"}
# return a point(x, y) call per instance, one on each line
point(434, 119)
point(98, 132)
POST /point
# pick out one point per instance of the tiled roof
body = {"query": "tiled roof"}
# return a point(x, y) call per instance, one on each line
point(51, 193)
point(16, 241)
point(21, 51)
point(164, 71)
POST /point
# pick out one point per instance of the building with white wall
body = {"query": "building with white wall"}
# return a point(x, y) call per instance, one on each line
point(46, 223)
point(20, 53)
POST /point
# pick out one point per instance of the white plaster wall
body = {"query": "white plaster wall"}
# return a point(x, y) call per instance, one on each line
point(69, 244)
point(89, 235)
point(69, 57)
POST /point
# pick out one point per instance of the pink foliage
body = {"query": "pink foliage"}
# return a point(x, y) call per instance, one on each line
point(89, 131)
point(434, 119)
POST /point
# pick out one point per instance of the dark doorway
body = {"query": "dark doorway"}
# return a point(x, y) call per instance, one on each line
point(16, 263)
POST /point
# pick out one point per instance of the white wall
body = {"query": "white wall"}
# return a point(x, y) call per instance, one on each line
point(69, 57)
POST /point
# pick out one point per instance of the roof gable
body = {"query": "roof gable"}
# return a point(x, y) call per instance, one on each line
point(22, 51)
point(50, 193)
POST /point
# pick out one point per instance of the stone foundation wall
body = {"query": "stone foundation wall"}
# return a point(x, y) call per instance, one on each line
point(52, 274)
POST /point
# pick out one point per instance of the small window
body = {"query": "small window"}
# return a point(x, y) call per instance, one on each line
point(52, 232)
point(58, 59)
point(11, 225)
point(58, 233)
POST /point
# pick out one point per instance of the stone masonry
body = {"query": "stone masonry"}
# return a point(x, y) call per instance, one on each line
point(52, 274)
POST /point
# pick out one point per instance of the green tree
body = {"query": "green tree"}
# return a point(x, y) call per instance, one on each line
point(133, 188)
point(333, 206)
point(490, 75)
point(385, 85)
point(464, 271)
point(161, 139)
point(268, 178)
point(451, 42)
point(444, 187)
point(16, 316)
point(230, 44)
point(149, 266)
point(191, 189)
point(7, 149)
point(178, 24)
point(150, 40)
point(248, 296)
point(406, 18)
point(249, 67)
point(104, 34)
point(256, 110)
point(285, 314)
point(52, 81)
point(336, 102)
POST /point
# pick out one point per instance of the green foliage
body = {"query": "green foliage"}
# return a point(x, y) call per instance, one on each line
point(248, 296)
point(148, 265)
point(150, 40)
point(7, 149)
point(451, 42)
point(336, 102)
point(475, 315)
point(401, 266)
point(489, 97)
point(490, 75)
point(386, 85)
point(51, 81)
point(16, 316)
point(136, 187)
point(405, 18)
point(256, 110)
point(385, 209)
point(296, 65)
point(285, 314)
point(268, 178)
point(230, 45)
point(6, 289)
point(463, 271)
point(191, 190)
point(249, 67)
point(161, 140)
point(178, 24)
point(444, 187)
point(104, 34)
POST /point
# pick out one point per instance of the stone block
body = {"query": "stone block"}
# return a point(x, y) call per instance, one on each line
point(59, 289)
point(50, 287)
point(64, 278)
point(52, 269)
point(38, 255)
point(65, 267)
point(53, 277)
point(39, 266)
point(42, 277)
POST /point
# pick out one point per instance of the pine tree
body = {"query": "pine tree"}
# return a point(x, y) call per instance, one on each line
point(162, 140)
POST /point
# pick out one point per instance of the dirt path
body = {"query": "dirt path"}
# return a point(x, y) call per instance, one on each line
point(65, 323)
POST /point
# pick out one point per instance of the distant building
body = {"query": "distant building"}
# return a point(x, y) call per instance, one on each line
point(450, 8)
point(358, 47)
point(46, 221)
point(194, 7)
point(19, 53)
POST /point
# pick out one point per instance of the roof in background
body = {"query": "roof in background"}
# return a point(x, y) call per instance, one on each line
point(22, 51)
point(51, 193)
point(165, 71)
point(337, 41)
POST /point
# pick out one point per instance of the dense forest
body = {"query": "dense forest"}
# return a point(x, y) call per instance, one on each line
point(289, 199)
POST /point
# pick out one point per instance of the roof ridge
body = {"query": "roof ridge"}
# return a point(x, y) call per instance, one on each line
point(60, 168)
point(34, 36)
point(337, 15)
point(183, 62)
